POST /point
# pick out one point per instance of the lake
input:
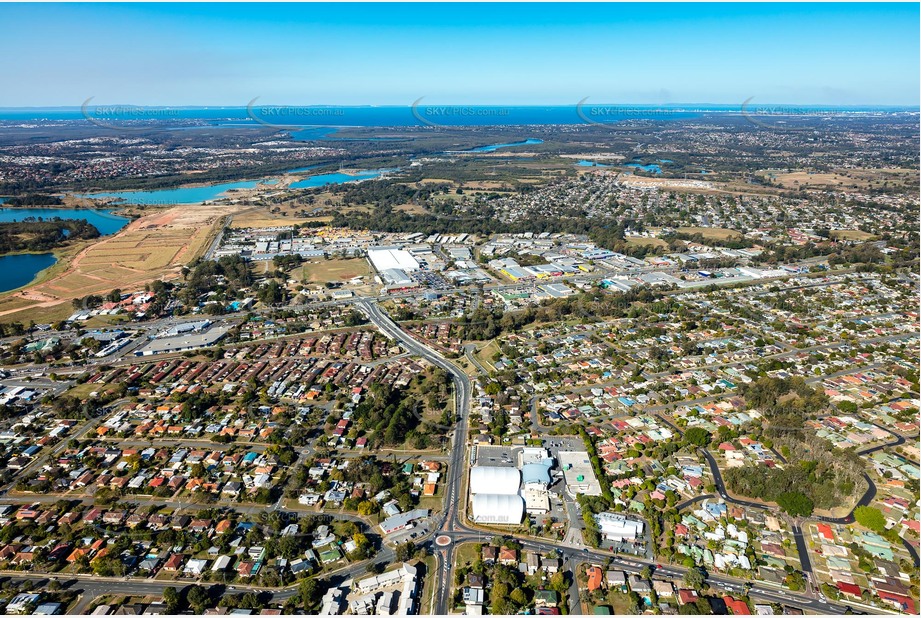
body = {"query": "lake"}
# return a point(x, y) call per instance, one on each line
point(495, 147)
point(337, 178)
point(18, 270)
point(585, 163)
point(179, 195)
point(197, 195)
point(103, 220)
point(651, 167)
point(301, 170)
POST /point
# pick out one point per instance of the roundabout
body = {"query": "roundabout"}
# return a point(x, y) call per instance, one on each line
point(442, 540)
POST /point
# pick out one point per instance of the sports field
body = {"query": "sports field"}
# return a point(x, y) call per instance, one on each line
point(334, 270)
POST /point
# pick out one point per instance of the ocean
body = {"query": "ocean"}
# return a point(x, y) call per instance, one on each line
point(298, 117)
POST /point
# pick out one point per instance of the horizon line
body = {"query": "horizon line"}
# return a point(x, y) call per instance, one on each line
point(748, 103)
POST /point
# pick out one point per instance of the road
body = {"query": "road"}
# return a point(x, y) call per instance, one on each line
point(458, 532)
point(463, 391)
point(450, 522)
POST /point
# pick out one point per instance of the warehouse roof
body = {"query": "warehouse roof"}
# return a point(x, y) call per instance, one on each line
point(535, 473)
point(494, 480)
point(386, 258)
point(498, 508)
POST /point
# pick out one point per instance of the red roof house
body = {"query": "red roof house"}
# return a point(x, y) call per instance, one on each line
point(737, 607)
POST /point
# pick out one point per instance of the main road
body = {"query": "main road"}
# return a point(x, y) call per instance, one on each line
point(447, 524)
point(451, 526)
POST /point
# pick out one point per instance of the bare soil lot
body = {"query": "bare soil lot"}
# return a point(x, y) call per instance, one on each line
point(155, 246)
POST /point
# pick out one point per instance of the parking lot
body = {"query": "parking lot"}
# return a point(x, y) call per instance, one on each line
point(420, 529)
point(431, 280)
point(556, 444)
point(501, 456)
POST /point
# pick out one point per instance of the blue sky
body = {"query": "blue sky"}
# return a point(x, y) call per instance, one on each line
point(360, 54)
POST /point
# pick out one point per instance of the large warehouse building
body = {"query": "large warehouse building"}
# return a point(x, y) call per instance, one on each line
point(494, 495)
point(390, 258)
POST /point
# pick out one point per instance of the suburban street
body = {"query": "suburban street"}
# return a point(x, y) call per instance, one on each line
point(450, 523)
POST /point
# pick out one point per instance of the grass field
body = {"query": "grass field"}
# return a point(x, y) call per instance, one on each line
point(82, 391)
point(640, 241)
point(484, 354)
point(413, 209)
point(153, 247)
point(852, 235)
point(847, 180)
point(466, 553)
point(334, 270)
point(715, 233)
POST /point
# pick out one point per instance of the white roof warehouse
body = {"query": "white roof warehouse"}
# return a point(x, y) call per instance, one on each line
point(388, 258)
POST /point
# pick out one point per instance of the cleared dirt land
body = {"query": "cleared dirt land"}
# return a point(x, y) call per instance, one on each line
point(153, 247)
point(261, 218)
point(715, 233)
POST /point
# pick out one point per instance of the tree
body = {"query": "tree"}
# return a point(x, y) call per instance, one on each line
point(367, 507)
point(272, 293)
point(198, 598)
point(377, 568)
point(795, 503)
point(870, 517)
point(310, 593)
point(405, 551)
point(171, 600)
point(795, 581)
point(499, 596)
point(694, 579)
point(363, 547)
point(558, 582)
point(519, 597)
point(697, 436)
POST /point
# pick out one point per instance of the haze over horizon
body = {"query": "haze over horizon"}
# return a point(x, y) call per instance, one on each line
point(729, 107)
point(216, 55)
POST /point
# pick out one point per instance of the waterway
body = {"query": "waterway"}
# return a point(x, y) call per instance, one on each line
point(19, 269)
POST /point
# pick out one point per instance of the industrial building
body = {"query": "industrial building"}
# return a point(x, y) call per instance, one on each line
point(494, 480)
point(402, 521)
point(494, 495)
point(182, 343)
point(616, 527)
point(579, 474)
point(396, 278)
point(391, 258)
point(184, 328)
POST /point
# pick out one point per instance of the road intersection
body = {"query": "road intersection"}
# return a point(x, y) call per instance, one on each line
point(451, 526)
